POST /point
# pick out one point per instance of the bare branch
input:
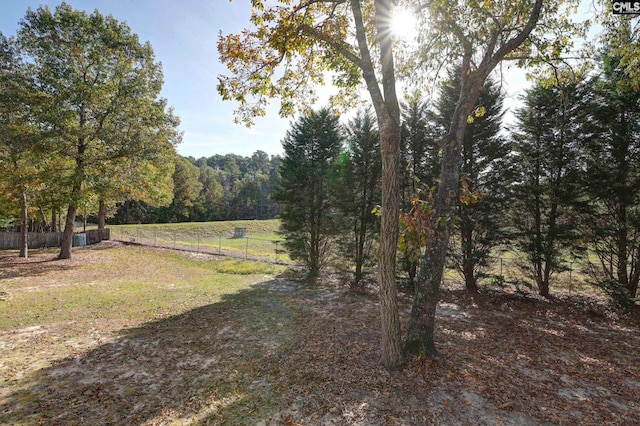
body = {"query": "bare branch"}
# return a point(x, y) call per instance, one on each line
point(518, 39)
point(343, 48)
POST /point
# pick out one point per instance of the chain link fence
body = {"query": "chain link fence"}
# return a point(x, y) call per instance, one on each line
point(231, 245)
point(514, 271)
point(503, 271)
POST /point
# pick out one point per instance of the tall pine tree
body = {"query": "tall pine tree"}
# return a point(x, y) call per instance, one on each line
point(613, 172)
point(419, 163)
point(358, 191)
point(547, 203)
point(311, 151)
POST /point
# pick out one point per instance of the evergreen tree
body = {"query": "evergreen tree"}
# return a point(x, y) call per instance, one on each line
point(419, 159)
point(547, 204)
point(273, 207)
point(613, 181)
point(312, 148)
point(419, 162)
point(358, 191)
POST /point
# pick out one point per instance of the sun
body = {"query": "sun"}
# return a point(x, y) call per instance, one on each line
point(404, 24)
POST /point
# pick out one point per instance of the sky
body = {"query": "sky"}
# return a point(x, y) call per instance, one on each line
point(184, 34)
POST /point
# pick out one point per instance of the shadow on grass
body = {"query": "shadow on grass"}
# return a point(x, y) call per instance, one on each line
point(44, 260)
point(211, 364)
point(12, 266)
point(292, 353)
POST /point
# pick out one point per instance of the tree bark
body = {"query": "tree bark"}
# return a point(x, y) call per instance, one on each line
point(392, 352)
point(76, 192)
point(420, 333)
point(389, 123)
point(102, 215)
point(421, 329)
point(361, 235)
point(544, 289)
point(54, 220)
point(621, 243)
point(468, 264)
point(67, 234)
point(387, 110)
point(24, 231)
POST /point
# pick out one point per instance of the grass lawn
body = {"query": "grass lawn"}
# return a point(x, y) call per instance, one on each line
point(261, 241)
point(138, 315)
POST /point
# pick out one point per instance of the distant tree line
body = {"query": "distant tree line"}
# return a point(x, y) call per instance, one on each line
point(220, 187)
point(561, 184)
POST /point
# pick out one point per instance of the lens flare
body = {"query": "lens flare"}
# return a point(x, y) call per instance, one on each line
point(404, 24)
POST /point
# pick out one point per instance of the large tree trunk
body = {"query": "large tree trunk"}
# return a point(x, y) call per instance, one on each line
point(24, 220)
point(67, 234)
point(421, 329)
point(392, 354)
point(102, 215)
point(76, 192)
point(388, 115)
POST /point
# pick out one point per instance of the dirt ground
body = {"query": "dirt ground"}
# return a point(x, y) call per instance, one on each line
point(287, 352)
point(507, 359)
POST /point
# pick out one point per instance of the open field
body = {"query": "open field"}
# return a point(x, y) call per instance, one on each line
point(104, 326)
point(131, 335)
point(262, 240)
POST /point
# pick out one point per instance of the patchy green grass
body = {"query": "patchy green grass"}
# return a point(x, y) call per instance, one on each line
point(255, 228)
point(125, 334)
point(573, 280)
point(262, 239)
point(128, 282)
point(131, 335)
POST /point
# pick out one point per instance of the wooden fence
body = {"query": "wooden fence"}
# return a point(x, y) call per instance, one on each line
point(13, 240)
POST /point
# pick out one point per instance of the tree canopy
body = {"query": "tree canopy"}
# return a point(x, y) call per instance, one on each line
point(103, 89)
point(312, 148)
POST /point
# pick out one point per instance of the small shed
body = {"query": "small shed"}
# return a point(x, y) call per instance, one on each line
point(239, 232)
